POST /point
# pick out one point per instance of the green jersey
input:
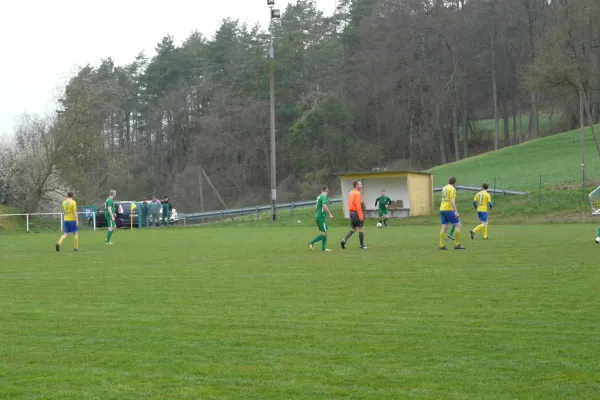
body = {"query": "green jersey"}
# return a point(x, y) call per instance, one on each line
point(319, 214)
point(383, 202)
point(109, 205)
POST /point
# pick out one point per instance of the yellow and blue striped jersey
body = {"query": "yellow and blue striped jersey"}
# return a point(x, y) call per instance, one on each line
point(448, 193)
point(483, 201)
point(69, 209)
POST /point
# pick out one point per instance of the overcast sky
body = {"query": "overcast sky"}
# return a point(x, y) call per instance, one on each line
point(45, 41)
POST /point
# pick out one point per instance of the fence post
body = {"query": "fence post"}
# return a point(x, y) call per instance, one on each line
point(221, 216)
point(540, 191)
point(257, 214)
point(293, 210)
point(494, 193)
point(242, 214)
point(94, 220)
point(27, 222)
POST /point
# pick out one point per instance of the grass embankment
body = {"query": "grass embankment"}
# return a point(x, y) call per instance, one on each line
point(557, 158)
point(563, 206)
point(559, 198)
point(18, 223)
point(9, 224)
point(489, 125)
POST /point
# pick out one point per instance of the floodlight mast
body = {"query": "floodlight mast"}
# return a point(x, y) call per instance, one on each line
point(273, 14)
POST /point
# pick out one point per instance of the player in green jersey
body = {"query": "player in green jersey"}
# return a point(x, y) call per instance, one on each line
point(384, 201)
point(321, 214)
point(110, 214)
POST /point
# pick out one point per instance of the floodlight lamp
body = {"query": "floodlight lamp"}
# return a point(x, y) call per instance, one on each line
point(270, 3)
point(275, 14)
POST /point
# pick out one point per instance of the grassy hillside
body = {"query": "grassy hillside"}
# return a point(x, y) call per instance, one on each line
point(544, 123)
point(557, 158)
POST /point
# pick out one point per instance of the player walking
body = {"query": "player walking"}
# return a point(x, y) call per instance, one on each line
point(482, 202)
point(110, 214)
point(356, 215)
point(321, 218)
point(71, 222)
point(449, 214)
point(384, 203)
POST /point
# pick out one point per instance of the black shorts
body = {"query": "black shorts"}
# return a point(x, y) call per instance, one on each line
point(354, 221)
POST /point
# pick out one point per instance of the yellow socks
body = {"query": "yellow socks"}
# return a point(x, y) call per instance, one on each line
point(478, 228)
point(485, 232)
point(442, 239)
point(457, 238)
point(75, 241)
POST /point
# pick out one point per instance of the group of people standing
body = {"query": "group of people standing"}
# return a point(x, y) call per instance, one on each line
point(149, 211)
point(152, 210)
point(71, 221)
point(448, 215)
point(357, 218)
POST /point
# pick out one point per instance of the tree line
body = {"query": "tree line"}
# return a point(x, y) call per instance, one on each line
point(380, 83)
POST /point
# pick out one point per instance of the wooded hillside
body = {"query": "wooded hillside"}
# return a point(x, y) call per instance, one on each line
point(380, 83)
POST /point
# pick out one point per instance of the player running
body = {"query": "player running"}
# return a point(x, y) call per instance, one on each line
point(384, 203)
point(356, 216)
point(321, 218)
point(482, 202)
point(71, 222)
point(449, 214)
point(110, 214)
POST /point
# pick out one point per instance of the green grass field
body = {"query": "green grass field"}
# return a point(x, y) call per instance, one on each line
point(557, 158)
point(245, 313)
point(243, 310)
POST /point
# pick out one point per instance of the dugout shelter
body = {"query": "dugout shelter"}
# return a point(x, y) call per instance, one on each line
point(411, 192)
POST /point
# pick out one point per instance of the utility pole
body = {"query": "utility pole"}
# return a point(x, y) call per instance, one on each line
point(200, 182)
point(273, 13)
point(582, 128)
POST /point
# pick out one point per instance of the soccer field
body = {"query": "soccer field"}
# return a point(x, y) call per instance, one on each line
point(251, 313)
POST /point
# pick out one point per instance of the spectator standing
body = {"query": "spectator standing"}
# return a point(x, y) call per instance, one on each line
point(155, 208)
point(145, 208)
point(166, 210)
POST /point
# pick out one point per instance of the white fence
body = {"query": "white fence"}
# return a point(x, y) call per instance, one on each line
point(47, 219)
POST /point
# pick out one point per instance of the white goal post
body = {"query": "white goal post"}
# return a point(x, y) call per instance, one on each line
point(595, 201)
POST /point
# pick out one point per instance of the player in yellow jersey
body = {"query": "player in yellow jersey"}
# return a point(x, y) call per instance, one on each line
point(483, 203)
point(71, 222)
point(449, 214)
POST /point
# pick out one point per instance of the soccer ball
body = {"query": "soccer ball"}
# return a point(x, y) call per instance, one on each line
point(597, 240)
point(379, 226)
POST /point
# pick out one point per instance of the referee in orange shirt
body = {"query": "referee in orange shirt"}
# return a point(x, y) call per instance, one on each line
point(356, 215)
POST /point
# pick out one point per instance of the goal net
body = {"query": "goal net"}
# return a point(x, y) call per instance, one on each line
point(595, 201)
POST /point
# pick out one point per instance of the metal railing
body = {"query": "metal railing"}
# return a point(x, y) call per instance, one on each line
point(236, 212)
point(503, 192)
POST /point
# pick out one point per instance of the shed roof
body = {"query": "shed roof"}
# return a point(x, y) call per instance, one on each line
point(380, 173)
